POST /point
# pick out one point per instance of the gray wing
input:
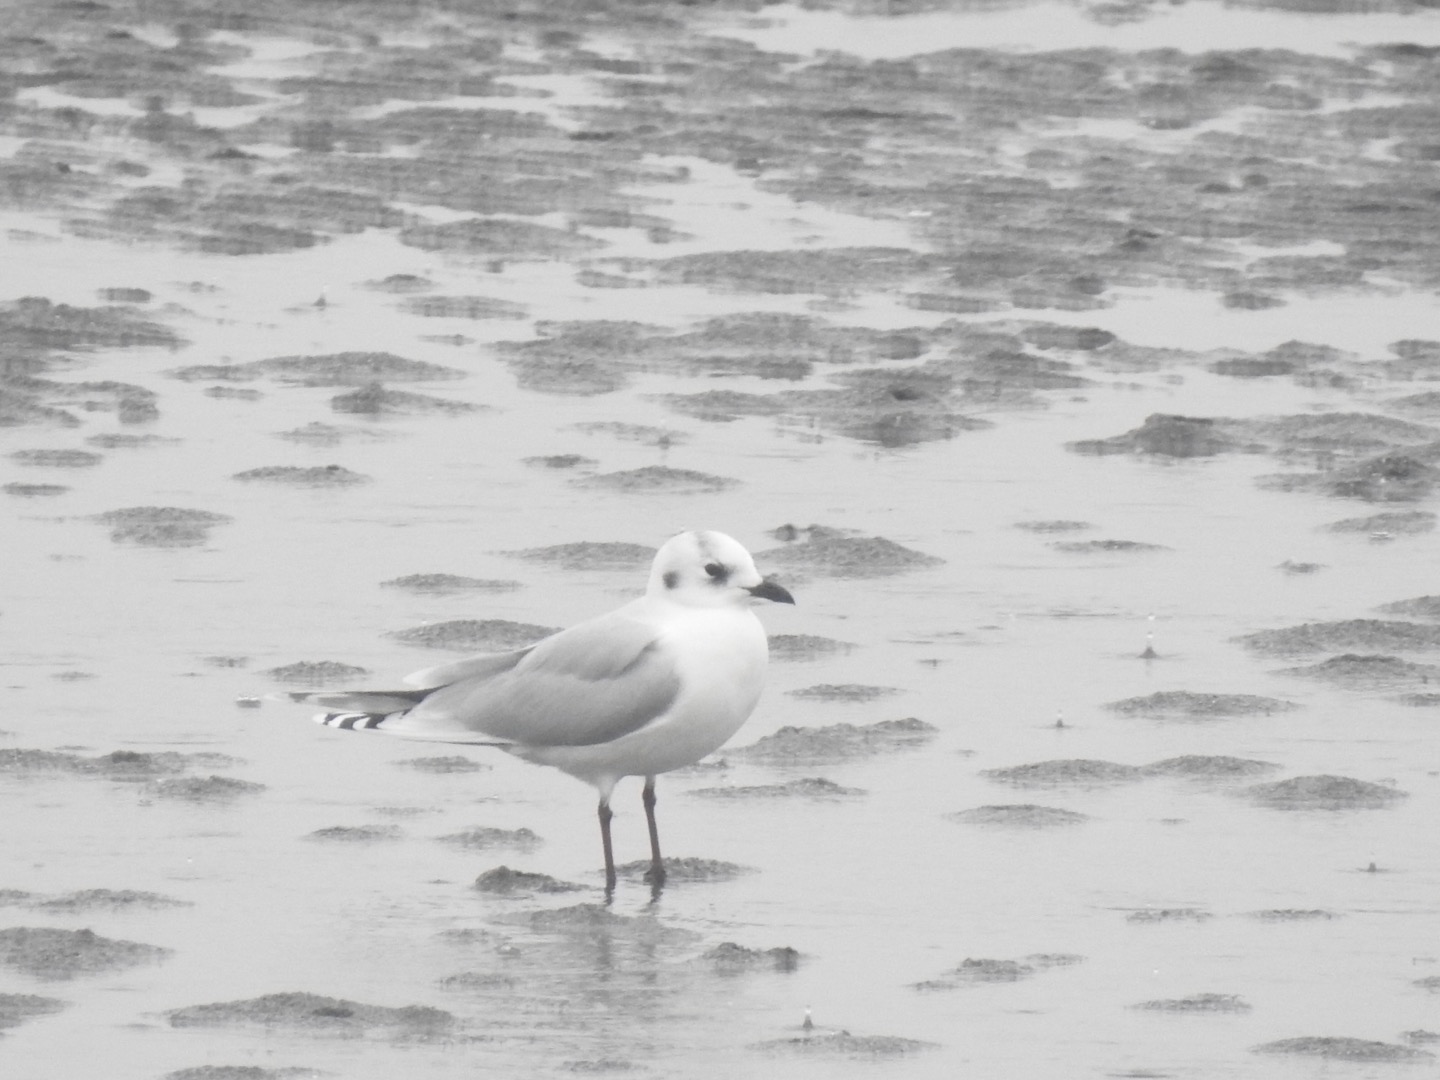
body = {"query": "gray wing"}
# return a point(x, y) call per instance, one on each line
point(485, 666)
point(587, 685)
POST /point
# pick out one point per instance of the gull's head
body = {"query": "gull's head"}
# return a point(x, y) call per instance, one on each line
point(709, 569)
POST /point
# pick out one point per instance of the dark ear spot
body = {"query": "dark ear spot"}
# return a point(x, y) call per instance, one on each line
point(671, 579)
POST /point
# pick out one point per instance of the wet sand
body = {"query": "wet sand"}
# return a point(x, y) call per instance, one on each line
point(1075, 380)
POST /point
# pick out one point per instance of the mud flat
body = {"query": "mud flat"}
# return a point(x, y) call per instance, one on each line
point(1072, 364)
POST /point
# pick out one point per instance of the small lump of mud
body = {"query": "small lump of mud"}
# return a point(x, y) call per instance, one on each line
point(475, 635)
point(356, 834)
point(1057, 525)
point(1073, 338)
point(585, 919)
point(1065, 771)
point(723, 406)
point(498, 237)
point(503, 881)
point(657, 479)
point(1345, 634)
point(837, 742)
point(484, 981)
point(805, 647)
point(109, 900)
point(375, 400)
point(314, 1013)
point(1087, 547)
point(1197, 1003)
point(482, 838)
point(1420, 607)
point(1186, 704)
point(972, 972)
point(728, 958)
point(559, 461)
point(310, 476)
point(1019, 816)
point(660, 437)
point(578, 376)
point(121, 765)
point(849, 556)
point(1419, 701)
point(401, 284)
point(1393, 523)
point(1209, 767)
point(161, 526)
point(806, 787)
point(48, 953)
point(1341, 1048)
point(35, 322)
point(318, 434)
point(686, 870)
point(57, 459)
point(1350, 433)
point(1245, 300)
point(829, 271)
point(448, 583)
point(590, 555)
point(240, 1072)
point(21, 406)
point(202, 789)
point(1168, 915)
point(115, 440)
point(1392, 477)
point(1368, 672)
point(1169, 436)
point(232, 393)
point(1387, 478)
point(463, 307)
point(15, 1009)
point(331, 369)
point(841, 1044)
point(846, 692)
point(1324, 792)
point(125, 295)
point(32, 491)
point(884, 406)
point(446, 764)
point(316, 672)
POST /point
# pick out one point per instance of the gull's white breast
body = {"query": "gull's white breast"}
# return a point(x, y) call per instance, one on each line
point(719, 655)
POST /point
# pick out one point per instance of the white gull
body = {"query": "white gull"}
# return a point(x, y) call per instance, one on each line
point(649, 687)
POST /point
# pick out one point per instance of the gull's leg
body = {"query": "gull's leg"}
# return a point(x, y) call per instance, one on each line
point(605, 816)
point(656, 876)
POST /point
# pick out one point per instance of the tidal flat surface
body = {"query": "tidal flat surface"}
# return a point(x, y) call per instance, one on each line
point(1072, 364)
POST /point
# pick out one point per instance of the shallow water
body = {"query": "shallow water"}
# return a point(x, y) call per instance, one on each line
point(1192, 27)
point(111, 646)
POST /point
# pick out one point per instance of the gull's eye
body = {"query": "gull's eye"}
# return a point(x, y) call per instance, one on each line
point(715, 570)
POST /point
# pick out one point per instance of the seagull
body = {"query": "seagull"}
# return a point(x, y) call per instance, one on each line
point(649, 687)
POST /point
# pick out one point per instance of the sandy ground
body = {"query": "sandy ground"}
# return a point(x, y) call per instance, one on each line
point(1089, 366)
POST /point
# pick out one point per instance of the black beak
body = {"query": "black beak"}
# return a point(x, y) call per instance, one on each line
point(768, 590)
